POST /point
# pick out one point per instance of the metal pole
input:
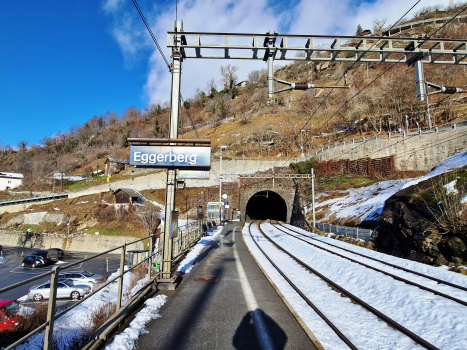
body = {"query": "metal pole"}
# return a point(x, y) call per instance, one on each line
point(150, 262)
point(220, 187)
point(220, 190)
point(173, 134)
point(301, 138)
point(120, 280)
point(271, 54)
point(49, 330)
point(428, 107)
point(420, 79)
point(313, 197)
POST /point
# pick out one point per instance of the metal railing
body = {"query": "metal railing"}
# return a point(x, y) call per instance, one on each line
point(34, 199)
point(186, 238)
point(355, 232)
point(389, 135)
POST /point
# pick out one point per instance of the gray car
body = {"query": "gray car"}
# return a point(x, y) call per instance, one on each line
point(65, 289)
point(81, 276)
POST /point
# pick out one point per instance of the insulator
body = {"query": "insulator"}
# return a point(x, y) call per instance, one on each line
point(301, 86)
point(451, 90)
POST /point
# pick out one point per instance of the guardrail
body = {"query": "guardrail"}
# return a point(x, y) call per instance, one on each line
point(186, 238)
point(403, 133)
point(355, 232)
point(34, 199)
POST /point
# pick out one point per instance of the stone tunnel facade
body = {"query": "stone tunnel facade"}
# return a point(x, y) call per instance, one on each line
point(268, 198)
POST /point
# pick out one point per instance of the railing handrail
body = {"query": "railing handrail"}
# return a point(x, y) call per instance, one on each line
point(196, 225)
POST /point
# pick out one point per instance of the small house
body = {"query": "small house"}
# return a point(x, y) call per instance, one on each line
point(126, 197)
point(10, 180)
point(242, 84)
point(114, 166)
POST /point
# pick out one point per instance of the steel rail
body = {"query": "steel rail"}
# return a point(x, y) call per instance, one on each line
point(357, 300)
point(308, 301)
point(462, 302)
point(384, 262)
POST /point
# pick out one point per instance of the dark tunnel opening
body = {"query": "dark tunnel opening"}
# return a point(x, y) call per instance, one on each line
point(266, 205)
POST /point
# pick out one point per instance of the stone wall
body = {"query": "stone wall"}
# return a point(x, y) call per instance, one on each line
point(81, 243)
point(283, 187)
point(412, 153)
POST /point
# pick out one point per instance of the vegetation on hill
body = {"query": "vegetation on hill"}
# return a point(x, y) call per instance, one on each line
point(242, 118)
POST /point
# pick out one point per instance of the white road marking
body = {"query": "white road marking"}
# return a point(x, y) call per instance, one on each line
point(262, 333)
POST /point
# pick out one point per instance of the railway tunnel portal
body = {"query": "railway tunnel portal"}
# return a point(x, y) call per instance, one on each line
point(268, 200)
point(266, 205)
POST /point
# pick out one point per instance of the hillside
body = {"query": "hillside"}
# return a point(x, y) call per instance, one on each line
point(242, 118)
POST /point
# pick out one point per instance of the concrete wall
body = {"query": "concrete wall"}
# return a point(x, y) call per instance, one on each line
point(420, 152)
point(158, 180)
point(86, 243)
point(19, 207)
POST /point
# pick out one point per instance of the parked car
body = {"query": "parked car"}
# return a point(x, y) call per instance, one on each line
point(33, 261)
point(51, 256)
point(59, 251)
point(65, 289)
point(81, 276)
point(9, 314)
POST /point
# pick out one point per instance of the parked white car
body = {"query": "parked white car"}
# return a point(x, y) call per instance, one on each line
point(81, 276)
point(65, 289)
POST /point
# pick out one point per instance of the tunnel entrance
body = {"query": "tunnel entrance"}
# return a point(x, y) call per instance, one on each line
point(266, 205)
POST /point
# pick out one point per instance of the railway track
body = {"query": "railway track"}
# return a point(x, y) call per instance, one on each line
point(282, 228)
point(355, 299)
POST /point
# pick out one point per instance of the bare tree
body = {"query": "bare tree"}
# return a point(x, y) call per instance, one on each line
point(150, 219)
point(229, 78)
point(378, 25)
point(22, 145)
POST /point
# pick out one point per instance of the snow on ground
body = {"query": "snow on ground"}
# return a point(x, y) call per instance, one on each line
point(367, 202)
point(440, 321)
point(187, 264)
point(78, 320)
point(128, 338)
point(60, 176)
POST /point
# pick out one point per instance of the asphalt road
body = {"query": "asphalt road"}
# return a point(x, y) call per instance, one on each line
point(12, 272)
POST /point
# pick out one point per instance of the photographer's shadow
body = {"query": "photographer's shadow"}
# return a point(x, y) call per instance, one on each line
point(249, 336)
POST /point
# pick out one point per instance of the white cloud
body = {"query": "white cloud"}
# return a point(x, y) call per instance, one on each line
point(112, 5)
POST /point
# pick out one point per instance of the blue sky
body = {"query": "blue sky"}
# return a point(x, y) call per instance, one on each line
point(62, 62)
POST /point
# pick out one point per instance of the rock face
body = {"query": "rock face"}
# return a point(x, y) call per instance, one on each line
point(424, 222)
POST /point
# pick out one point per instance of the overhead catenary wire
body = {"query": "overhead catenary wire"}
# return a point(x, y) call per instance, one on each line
point(343, 75)
point(150, 32)
point(361, 90)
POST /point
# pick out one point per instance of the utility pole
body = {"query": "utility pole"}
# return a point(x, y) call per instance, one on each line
point(220, 186)
point(176, 69)
point(301, 138)
point(313, 197)
point(269, 43)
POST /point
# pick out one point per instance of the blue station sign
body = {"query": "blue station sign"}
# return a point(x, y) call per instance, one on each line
point(180, 157)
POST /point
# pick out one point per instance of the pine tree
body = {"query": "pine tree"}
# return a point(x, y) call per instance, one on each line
point(359, 31)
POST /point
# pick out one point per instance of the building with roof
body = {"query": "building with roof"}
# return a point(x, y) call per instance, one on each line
point(114, 166)
point(126, 197)
point(10, 180)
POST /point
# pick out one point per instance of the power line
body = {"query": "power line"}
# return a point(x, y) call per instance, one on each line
point(150, 32)
point(343, 75)
point(361, 90)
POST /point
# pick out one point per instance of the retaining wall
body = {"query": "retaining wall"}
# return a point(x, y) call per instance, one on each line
point(412, 153)
point(81, 243)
